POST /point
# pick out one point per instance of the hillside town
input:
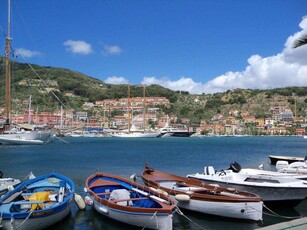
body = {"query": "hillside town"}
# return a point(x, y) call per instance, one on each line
point(117, 114)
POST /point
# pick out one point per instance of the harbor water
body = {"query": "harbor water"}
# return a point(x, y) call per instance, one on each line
point(78, 158)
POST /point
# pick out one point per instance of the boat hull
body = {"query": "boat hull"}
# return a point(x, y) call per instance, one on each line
point(145, 220)
point(37, 203)
point(274, 196)
point(25, 138)
point(289, 159)
point(136, 135)
point(178, 134)
point(5, 183)
point(197, 196)
point(239, 210)
point(18, 141)
point(129, 202)
point(37, 223)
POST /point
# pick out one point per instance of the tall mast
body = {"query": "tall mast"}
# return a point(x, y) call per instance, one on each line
point(128, 108)
point(29, 110)
point(144, 108)
point(7, 68)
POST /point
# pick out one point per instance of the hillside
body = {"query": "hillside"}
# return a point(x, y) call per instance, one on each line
point(73, 89)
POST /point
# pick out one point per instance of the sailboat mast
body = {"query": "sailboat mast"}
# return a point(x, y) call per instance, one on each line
point(7, 68)
point(144, 108)
point(29, 110)
point(128, 108)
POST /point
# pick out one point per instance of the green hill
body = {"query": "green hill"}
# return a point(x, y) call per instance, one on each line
point(48, 84)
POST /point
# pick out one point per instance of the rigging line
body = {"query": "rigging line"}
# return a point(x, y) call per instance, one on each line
point(42, 80)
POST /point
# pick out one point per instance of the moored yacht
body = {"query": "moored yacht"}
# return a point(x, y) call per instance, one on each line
point(169, 131)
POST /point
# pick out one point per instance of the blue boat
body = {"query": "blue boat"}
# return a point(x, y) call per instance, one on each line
point(37, 203)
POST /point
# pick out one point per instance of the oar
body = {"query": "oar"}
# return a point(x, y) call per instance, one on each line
point(144, 193)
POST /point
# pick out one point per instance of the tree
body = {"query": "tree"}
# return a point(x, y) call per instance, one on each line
point(302, 40)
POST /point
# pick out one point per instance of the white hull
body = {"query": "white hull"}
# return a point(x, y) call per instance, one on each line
point(294, 175)
point(297, 168)
point(136, 135)
point(5, 183)
point(35, 223)
point(298, 171)
point(240, 210)
point(24, 138)
point(145, 220)
point(17, 141)
point(279, 189)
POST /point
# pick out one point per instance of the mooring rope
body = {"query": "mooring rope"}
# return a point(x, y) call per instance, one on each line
point(157, 222)
point(274, 214)
point(1, 220)
point(182, 214)
point(61, 140)
point(23, 220)
point(278, 215)
point(28, 176)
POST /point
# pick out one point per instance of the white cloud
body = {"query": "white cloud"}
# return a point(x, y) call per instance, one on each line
point(78, 47)
point(27, 53)
point(112, 50)
point(183, 84)
point(288, 68)
point(116, 80)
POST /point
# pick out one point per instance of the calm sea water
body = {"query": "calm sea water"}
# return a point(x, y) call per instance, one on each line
point(77, 158)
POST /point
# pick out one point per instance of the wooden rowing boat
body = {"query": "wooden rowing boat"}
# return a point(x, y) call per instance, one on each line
point(129, 202)
point(197, 196)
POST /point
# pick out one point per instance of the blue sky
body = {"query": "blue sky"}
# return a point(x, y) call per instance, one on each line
point(201, 46)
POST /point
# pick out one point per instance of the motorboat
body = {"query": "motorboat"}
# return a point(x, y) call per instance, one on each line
point(195, 195)
point(298, 167)
point(274, 190)
point(138, 134)
point(128, 202)
point(8, 183)
point(289, 159)
point(37, 203)
point(169, 131)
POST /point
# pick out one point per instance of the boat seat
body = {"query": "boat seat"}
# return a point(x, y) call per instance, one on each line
point(209, 170)
point(11, 198)
point(121, 194)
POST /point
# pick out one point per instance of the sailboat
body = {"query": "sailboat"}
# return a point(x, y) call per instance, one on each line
point(10, 135)
point(137, 133)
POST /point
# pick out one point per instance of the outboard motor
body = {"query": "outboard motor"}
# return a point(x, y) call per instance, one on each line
point(235, 167)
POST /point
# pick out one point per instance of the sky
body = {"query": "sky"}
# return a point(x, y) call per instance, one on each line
point(199, 46)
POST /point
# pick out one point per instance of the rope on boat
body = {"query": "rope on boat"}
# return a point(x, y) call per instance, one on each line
point(61, 139)
point(274, 214)
point(28, 176)
point(182, 214)
point(1, 220)
point(157, 222)
point(22, 221)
